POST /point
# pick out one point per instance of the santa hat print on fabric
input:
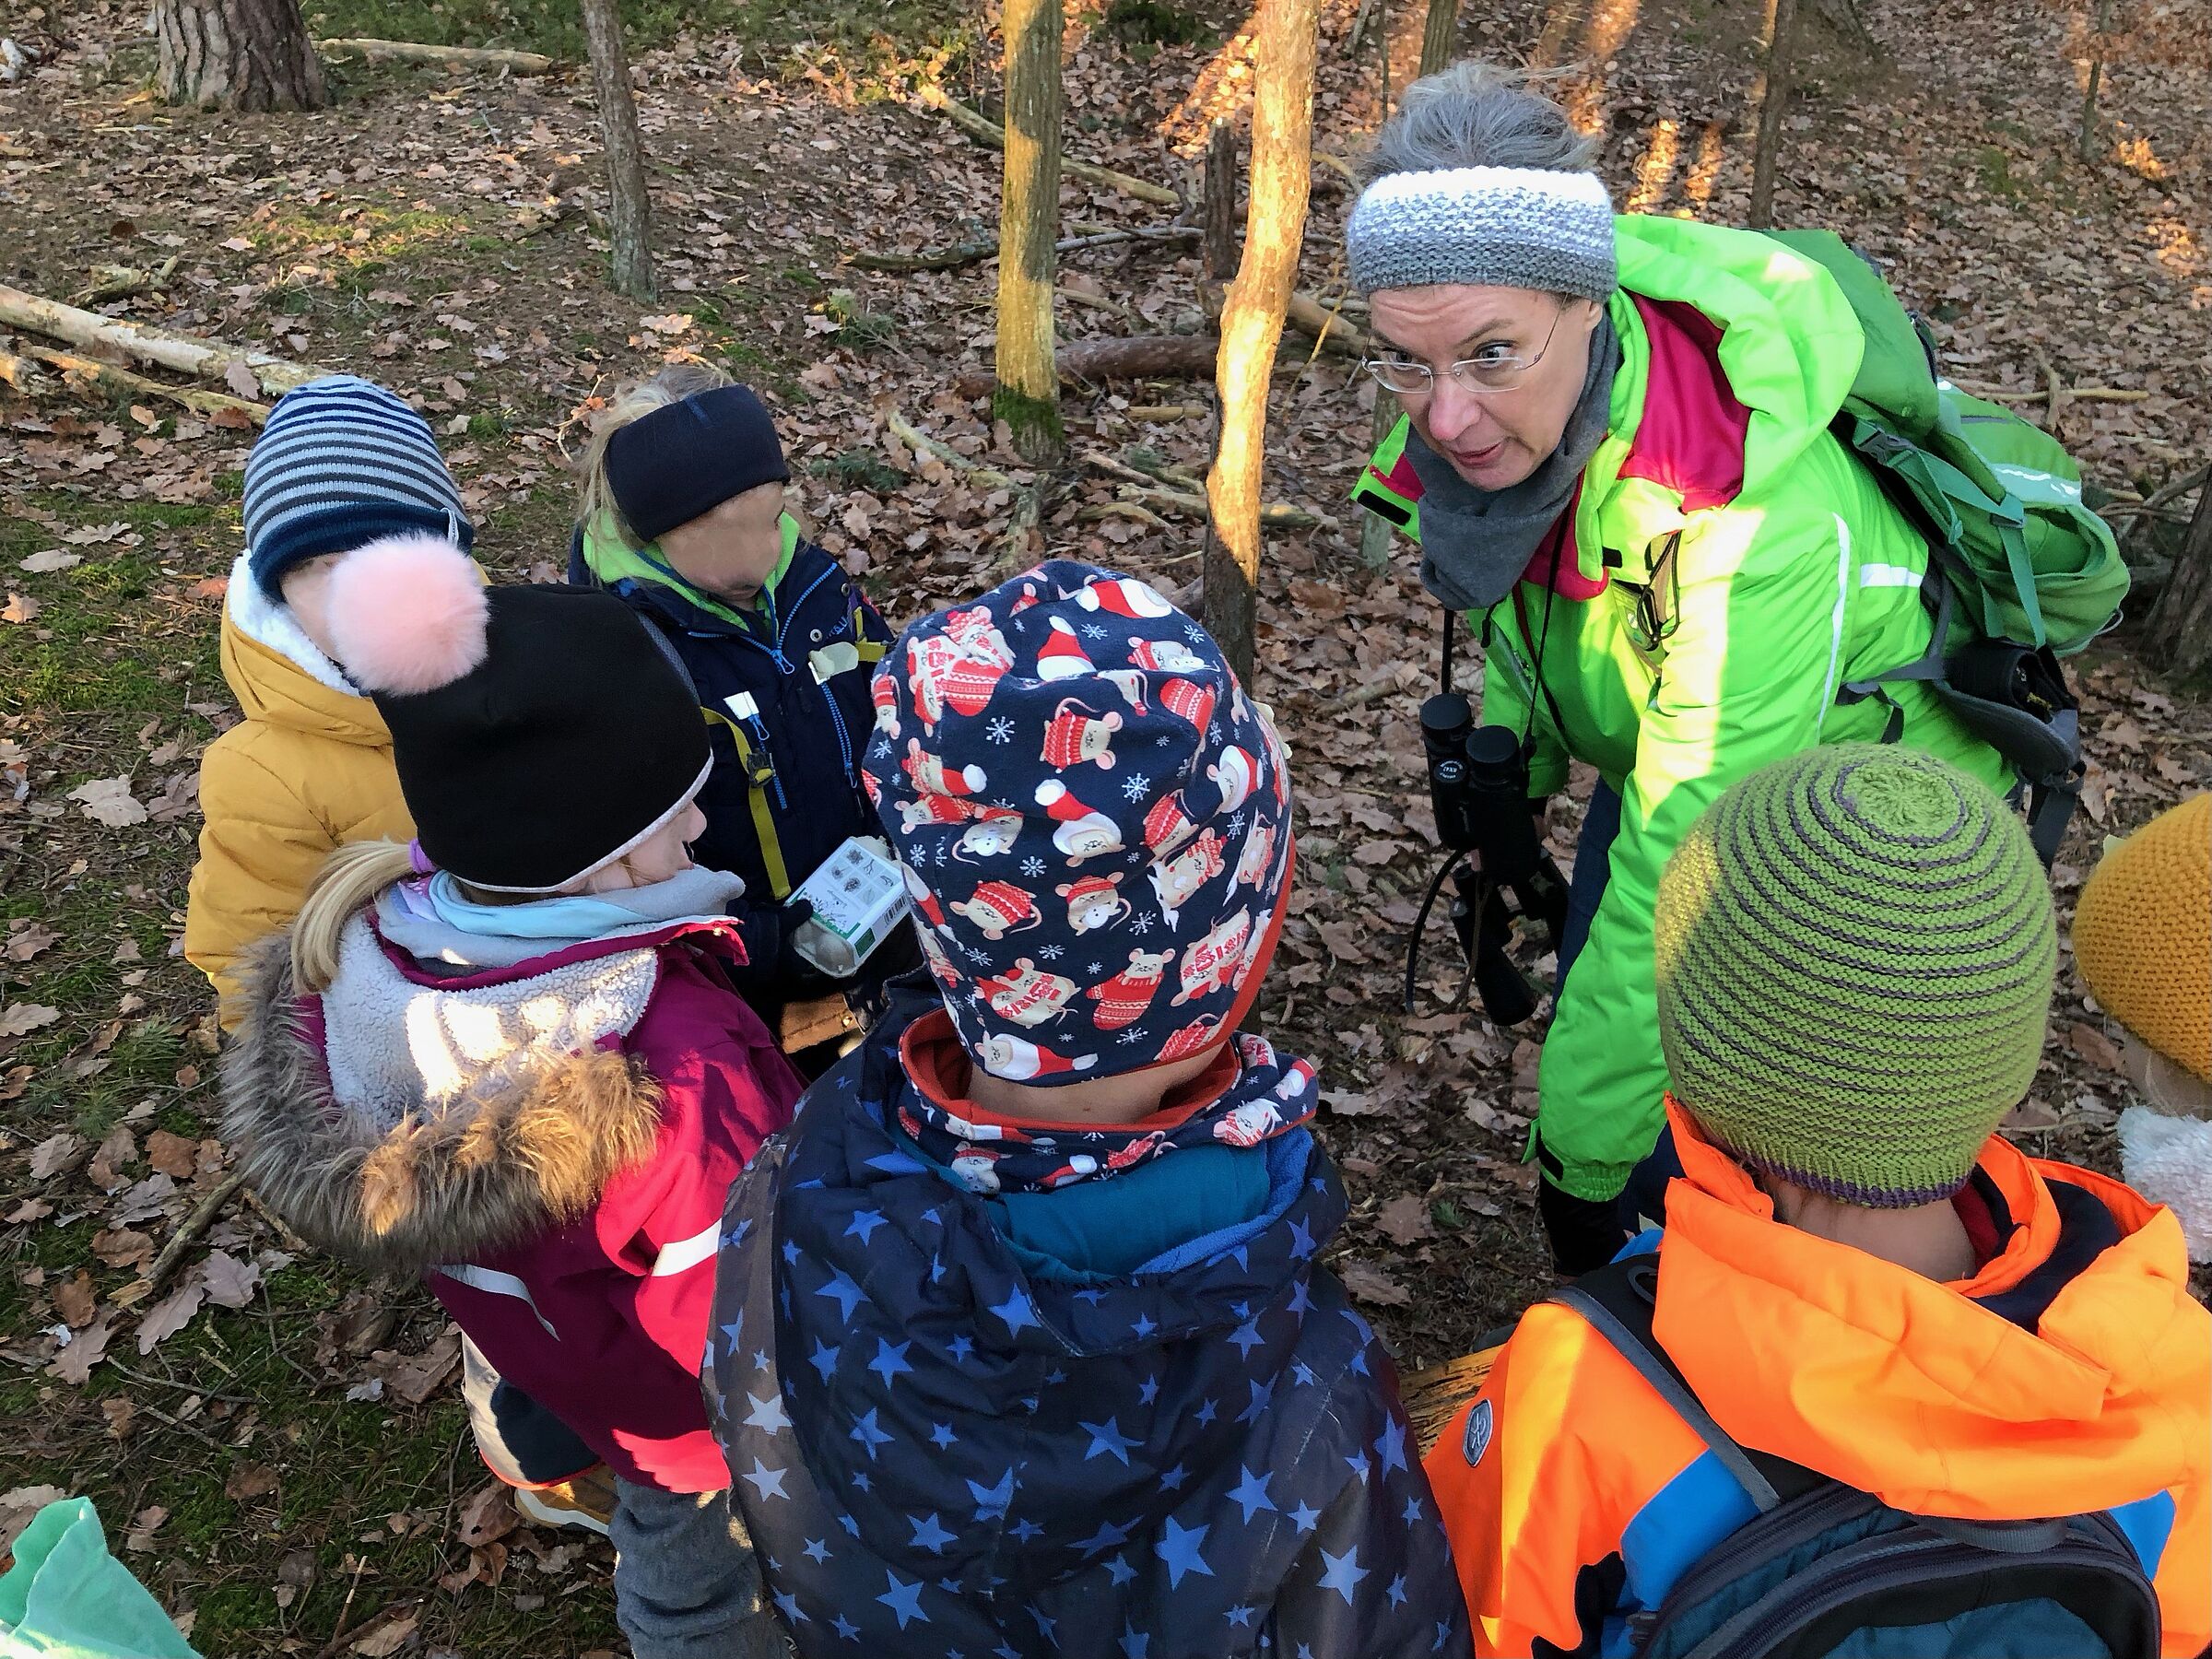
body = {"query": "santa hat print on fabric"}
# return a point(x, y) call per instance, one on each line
point(1094, 820)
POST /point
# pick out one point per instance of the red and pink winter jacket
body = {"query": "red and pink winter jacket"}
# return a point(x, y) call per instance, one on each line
point(549, 1143)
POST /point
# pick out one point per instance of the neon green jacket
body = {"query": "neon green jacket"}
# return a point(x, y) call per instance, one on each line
point(1719, 641)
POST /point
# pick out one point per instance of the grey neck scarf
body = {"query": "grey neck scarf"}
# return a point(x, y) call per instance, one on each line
point(1475, 543)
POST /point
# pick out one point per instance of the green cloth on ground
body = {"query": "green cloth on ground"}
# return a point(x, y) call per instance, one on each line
point(67, 1598)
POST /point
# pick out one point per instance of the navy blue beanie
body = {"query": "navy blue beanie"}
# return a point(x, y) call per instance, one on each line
point(342, 463)
point(687, 458)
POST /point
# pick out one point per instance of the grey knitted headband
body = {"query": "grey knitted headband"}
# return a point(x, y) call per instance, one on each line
point(1503, 227)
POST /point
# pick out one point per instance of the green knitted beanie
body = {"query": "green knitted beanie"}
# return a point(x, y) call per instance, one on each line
point(1855, 952)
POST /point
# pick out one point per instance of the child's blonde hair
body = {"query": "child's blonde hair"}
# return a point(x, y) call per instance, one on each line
point(348, 879)
point(596, 507)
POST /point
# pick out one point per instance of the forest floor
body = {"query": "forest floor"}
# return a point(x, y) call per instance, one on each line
point(275, 1442)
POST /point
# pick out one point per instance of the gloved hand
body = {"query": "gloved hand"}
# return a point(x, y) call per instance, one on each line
point(1585, 1234)
point(775, 969)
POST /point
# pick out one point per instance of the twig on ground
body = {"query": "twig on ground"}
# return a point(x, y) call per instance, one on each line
point(955, 254)
point(921, 444)
point(191, 1227)
point(82, 372)
point(418, 52)
point(118, 1367)
point(2180, 486)
point(983, 130)
point(337, 1644)
point(187, 354)
point(1145, 490)
point(1098, 510)
point(286, 1236)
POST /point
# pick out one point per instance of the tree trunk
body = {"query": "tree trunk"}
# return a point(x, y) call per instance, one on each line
point(1217, 238)
point(1252, 322)
point(1374, 530)
point(1027, 396)
point(1440, 35)
point(629, 209)
point(1773, 99)
point(238, 54)
point(2179, 633)
point(2085, 142)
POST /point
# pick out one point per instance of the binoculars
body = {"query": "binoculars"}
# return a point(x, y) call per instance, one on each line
point(1478, 785)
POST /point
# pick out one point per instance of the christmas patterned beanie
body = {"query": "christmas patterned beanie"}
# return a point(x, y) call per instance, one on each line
point(1093, 819)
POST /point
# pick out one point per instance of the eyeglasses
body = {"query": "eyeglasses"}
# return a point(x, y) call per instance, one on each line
point(1494, 369)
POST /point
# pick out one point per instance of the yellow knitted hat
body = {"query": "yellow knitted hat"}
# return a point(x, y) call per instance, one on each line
point(2142, 933)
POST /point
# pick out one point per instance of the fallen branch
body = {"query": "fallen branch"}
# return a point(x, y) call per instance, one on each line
point(1148, 464)
point(201, 1216)
point(119, 282)
point(2071, 393)
point(2113, 510)
point(1028, 514)
point(2180, 486)
point(1139, 356)
point(929, 259)
point(1097, 512)
point(1131, 357)
point(81, 372)
point(1326, 326)
point(187, 354)
point(543, 215)
point(1146, 491)
point(921, 444)
point(957, 255)
point(1163, 413)
point(2042, 394)
point(461, 57)
point(24, 375)
point(983, 130)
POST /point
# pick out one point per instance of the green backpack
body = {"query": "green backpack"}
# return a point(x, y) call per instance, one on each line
point(2021, 572)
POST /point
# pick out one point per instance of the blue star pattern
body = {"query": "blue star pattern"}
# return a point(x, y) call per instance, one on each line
point(944, 1454)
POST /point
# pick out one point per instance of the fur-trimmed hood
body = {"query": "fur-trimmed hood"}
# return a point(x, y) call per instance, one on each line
point(402, 1124)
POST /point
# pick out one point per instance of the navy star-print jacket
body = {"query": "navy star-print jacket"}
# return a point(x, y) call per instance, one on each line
point(939, 1455)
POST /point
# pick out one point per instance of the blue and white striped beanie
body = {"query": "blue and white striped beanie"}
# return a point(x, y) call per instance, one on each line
point(341, 463)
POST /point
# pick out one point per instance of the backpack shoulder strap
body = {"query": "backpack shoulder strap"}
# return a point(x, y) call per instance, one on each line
point(1617, 1302)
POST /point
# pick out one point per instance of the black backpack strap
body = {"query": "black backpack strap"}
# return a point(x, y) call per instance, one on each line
point(1617, 1302)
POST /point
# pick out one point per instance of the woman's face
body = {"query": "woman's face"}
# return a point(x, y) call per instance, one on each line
point(731, 550)
point(1493, 439)
point(666, 853)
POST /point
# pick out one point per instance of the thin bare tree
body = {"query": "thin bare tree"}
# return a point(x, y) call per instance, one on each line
point(629, 209)
point(1027, 396)
point(2178, 632)
point(1773, 95)
point(1252, 321)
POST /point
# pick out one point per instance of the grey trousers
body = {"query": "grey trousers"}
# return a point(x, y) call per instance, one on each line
point(686, 1584)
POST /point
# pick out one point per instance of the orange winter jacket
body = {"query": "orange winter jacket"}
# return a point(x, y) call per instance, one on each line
point(2072, 1373)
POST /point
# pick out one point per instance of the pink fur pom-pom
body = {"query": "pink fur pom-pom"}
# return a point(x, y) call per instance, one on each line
point(407, 614)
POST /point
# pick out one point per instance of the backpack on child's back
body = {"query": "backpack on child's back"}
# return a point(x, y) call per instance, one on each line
point(1822, 1569)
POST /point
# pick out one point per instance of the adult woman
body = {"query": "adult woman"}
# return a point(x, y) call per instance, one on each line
point(1616, 437)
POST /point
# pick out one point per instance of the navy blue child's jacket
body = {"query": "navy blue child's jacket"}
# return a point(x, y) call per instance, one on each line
point(786, 696)
point(944, 1444)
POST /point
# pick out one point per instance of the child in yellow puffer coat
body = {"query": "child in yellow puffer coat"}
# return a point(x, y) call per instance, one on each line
point(341, 463)
point(2143, 946)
